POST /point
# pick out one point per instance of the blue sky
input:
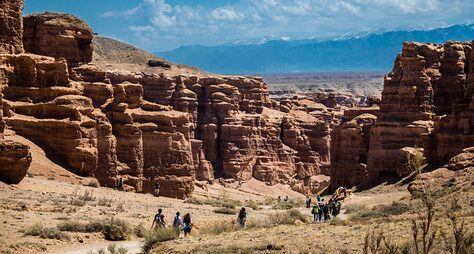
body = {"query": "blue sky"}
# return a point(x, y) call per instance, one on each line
point(158, 25)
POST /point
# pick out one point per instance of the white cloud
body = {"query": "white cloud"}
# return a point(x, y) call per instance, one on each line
point(141, 28)
point(226, 13)
point(166, 26)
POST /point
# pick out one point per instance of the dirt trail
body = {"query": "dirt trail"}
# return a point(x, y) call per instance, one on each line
point(133, 247)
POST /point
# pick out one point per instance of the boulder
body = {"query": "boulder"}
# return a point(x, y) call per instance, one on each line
point(15, 159)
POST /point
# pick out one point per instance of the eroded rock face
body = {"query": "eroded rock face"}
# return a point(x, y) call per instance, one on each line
point(11, 27)
point(148, 127)
point(15, 158)
point(349, 147)
point(59, 36)
point(406, 110)
point(454, 131)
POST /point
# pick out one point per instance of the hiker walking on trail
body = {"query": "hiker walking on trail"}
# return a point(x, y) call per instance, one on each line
point(120, 184)
point(242, 217)
point(187, 225)
point(159, 220)
point(315, 212)
point(321, 210)
point(308, 201)
point(177, 222)
point(326, 212)
point(157, 189)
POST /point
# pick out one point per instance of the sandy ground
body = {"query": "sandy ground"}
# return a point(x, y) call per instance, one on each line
point(50, 196)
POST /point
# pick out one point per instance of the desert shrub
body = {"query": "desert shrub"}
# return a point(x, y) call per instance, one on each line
point(158, 235)
point(350, 209)
point(104, 202)
point(221, 202)
point(336, 221)
point(111, 249)
point(71, 226)
point(252, 204)
point(396, 208)
point(416, 163)
point(362, 213)
point(93, 183)
point(462, 239)
point(267, 248)
point(94, 226)
point(81, 200)
point(116, 230)
point(289, 217)
point(34, 230)
point(194, 201)
point(282, 205)
point(45, 232)
point(223, 227)
point(53, 233)
point(139, 231)
point(225, 210)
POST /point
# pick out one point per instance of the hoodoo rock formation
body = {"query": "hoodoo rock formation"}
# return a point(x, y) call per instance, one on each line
point(427, 105)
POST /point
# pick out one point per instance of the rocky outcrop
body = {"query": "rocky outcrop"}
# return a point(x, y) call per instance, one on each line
point(149, 127)
point(15, 158)
point(11, 27)
point(459, 171)
point(454, 128)
point(59, 36)
point(406, 110)
point(349, 148)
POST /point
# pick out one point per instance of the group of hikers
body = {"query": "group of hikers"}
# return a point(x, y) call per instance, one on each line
point(322, 211)
point(179, 223)
point(184, 223)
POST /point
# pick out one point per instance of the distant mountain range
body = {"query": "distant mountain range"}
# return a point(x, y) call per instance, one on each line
point(370, 52)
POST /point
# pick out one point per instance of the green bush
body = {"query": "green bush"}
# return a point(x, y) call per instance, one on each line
point(158, 235)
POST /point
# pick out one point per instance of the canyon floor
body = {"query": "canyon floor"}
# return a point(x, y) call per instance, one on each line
point(51, 195)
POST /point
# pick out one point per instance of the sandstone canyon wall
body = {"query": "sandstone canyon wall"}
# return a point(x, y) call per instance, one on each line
point(427, 105)
point(153, 126)
point(15, 157)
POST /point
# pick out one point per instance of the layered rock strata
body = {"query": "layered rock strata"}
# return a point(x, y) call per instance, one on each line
point(407, 109)
point(59, 36)
point(349, 148)
point(454, 128)
point(15, 158)
point(11, 27)
point(148, 126)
